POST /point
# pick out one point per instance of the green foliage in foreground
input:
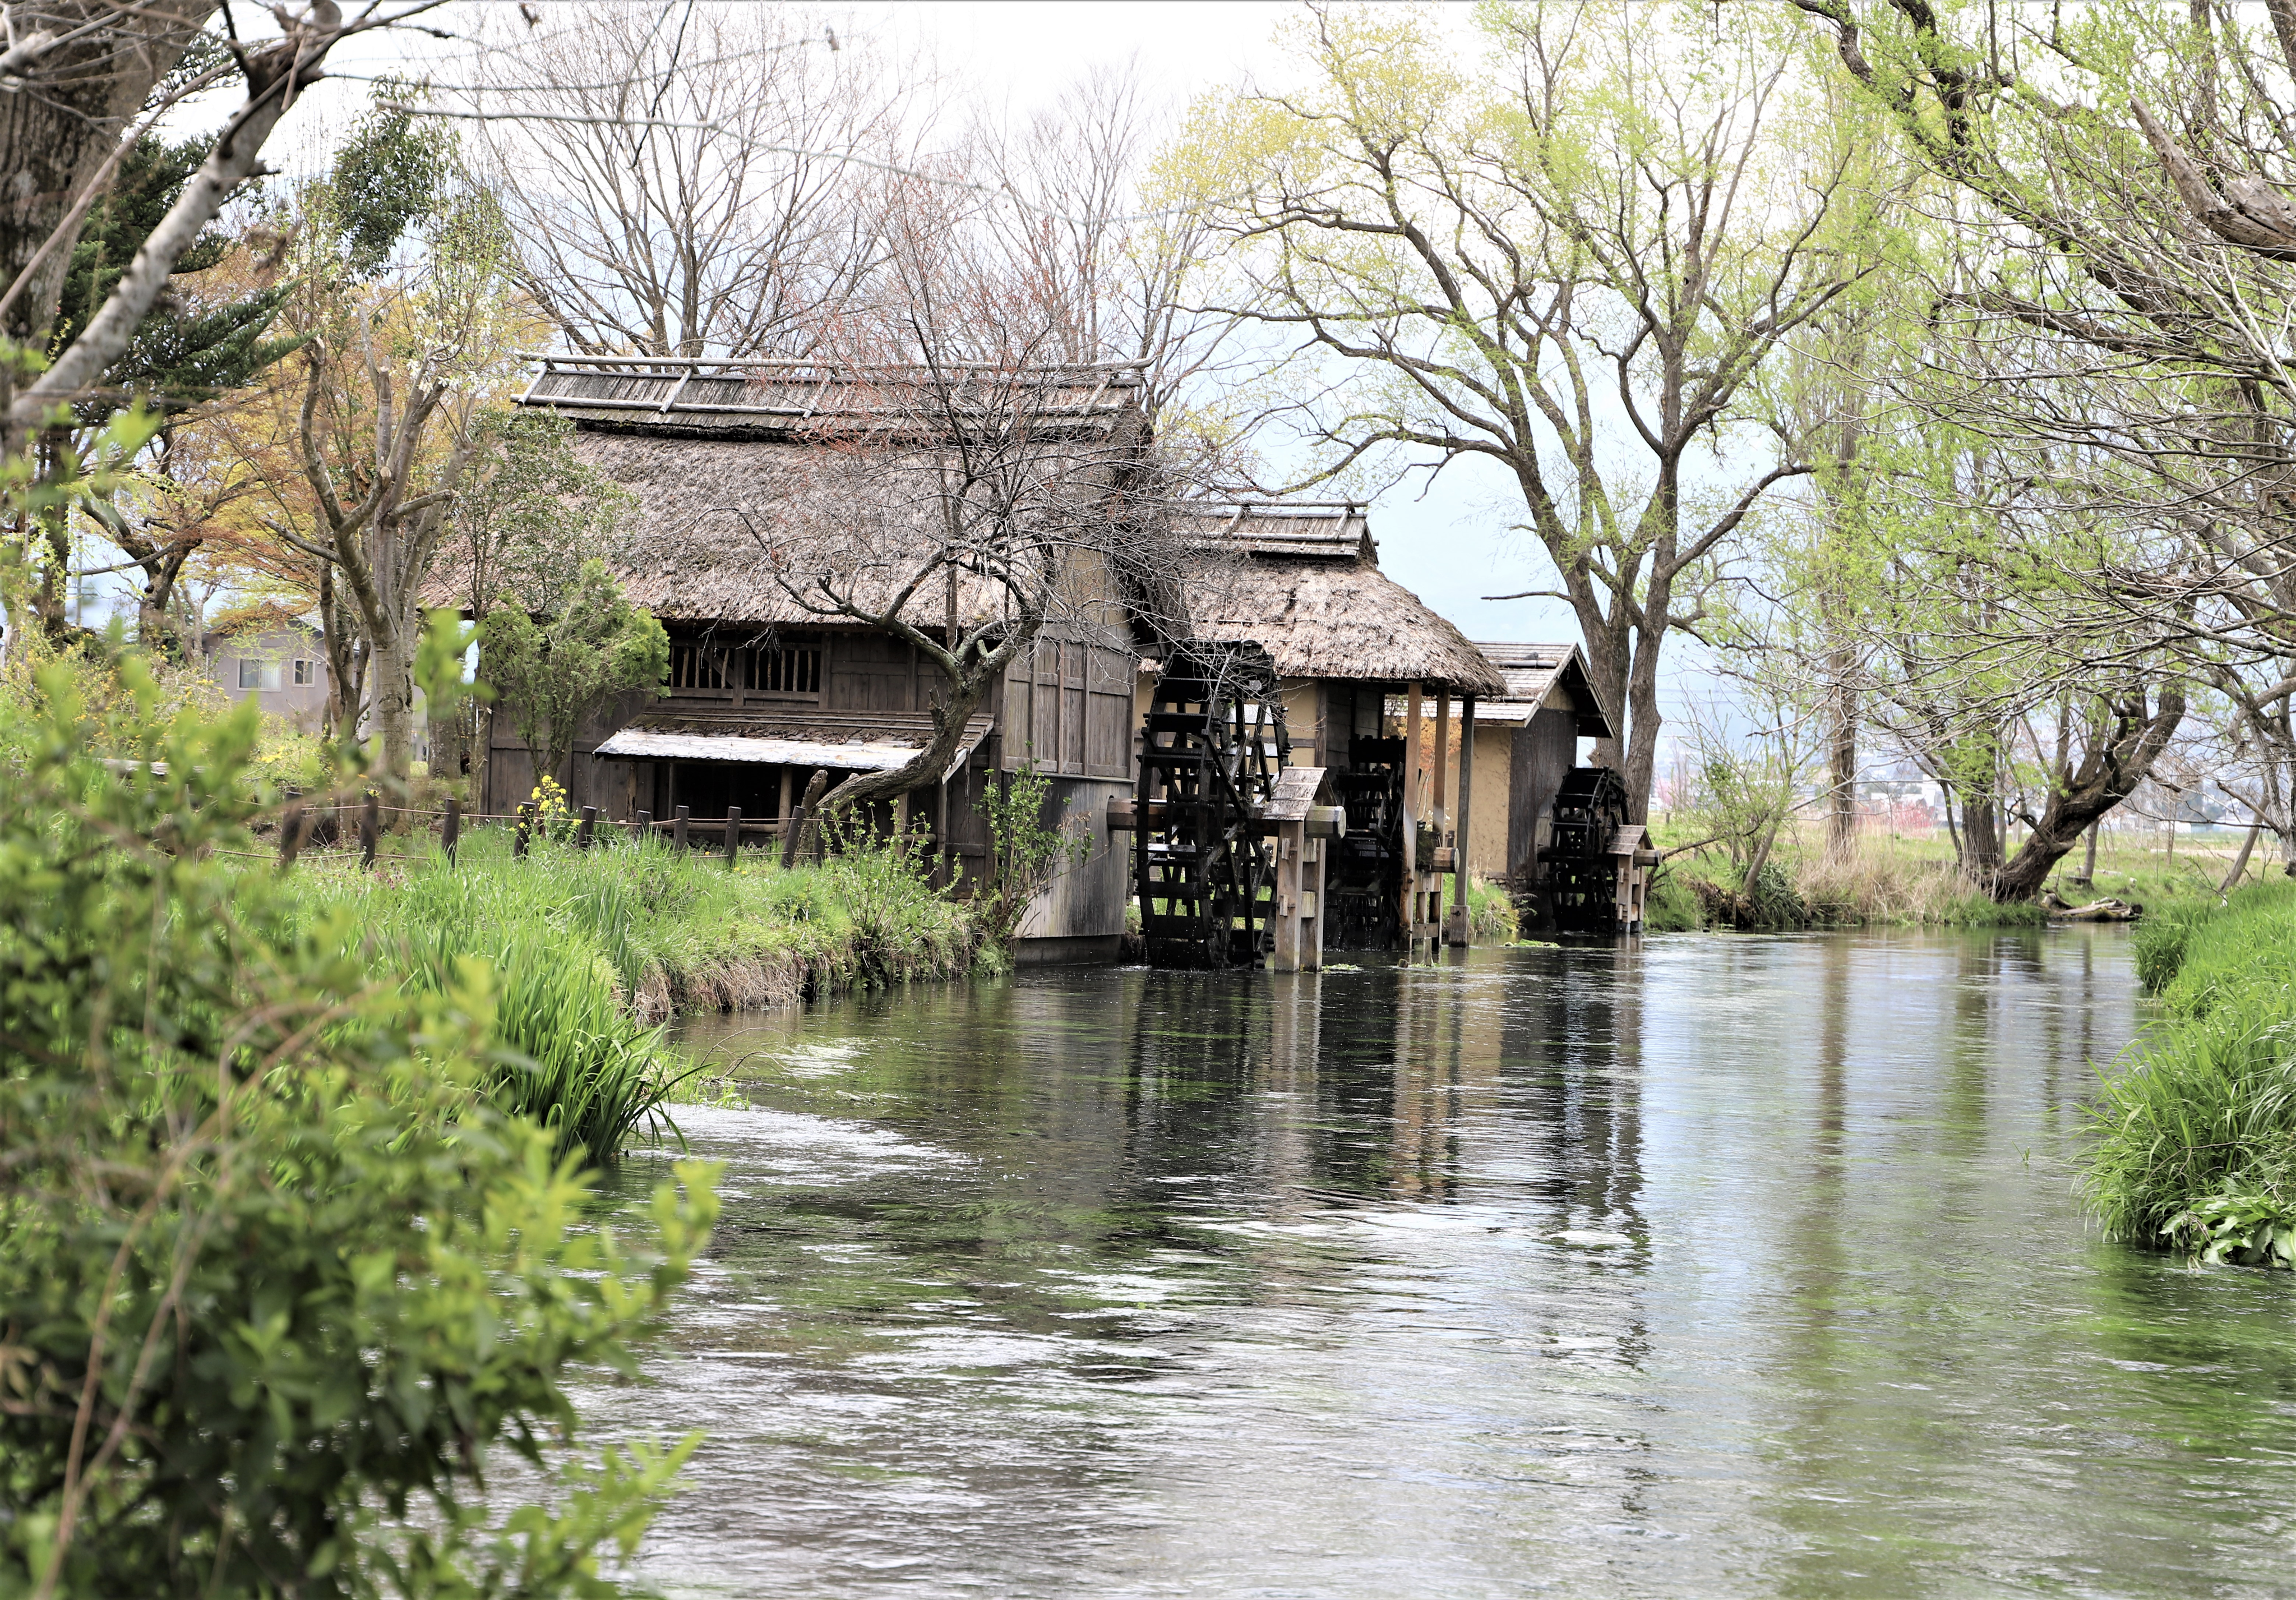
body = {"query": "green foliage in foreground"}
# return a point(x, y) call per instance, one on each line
point(276, 1276)
point(2198, 1123)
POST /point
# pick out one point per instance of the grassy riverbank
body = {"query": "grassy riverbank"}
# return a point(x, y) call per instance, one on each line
point(1902, 880)
point(2198, 1122)
point(592, 950)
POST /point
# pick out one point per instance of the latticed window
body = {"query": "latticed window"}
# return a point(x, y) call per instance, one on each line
point(696, 667)
point(790, 670)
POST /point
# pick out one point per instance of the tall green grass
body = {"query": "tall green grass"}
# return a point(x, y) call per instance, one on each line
point(2197, 1123)
point(592, 950)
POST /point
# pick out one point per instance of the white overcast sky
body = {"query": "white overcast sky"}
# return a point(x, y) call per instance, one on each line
point(1451, 544)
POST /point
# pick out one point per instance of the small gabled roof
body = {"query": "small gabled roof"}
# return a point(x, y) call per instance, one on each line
point(1532, 673)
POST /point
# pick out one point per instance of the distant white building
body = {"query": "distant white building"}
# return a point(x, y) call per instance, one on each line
point(284, 670)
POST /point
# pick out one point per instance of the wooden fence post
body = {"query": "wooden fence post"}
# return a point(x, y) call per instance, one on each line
point(732, 834)
point(370, 825)
point(291, 834)
point(450, 832)
point(583, 834)
point(525, 830)
point(644, 832)
point(678, 829)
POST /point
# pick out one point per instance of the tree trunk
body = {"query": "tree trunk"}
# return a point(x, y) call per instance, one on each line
point(392, 669)
point(1842, 704)
point(2240, 862)
point(2115, 764)
point(2089, 862)
point(1980, 839)
point(58, 130)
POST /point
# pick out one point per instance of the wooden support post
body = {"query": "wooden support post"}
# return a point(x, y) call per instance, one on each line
point(450, 829)
point(1460, 933)
point(1442, 751)
point(643, 832)
point(732, 834)
point(1311, 886)
point(525, 834)
point(291, 834)
point(1413, 770)
point(587, 829)
point(789, 775)
point(1291, 850)
point(370, 828)
point(678, 828)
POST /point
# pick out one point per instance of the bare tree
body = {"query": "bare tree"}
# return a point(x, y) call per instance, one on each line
point(684, 181)
point(1577, 259)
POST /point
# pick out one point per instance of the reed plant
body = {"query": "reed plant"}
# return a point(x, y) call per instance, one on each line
point(2196, 1147)
point(593, 950)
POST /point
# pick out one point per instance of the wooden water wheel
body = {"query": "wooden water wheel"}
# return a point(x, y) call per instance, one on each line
point(1216, 741)
point(1365, 878)
point(1582, 885)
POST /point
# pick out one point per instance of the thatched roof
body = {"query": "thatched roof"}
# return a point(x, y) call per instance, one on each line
point(712, 510)
point(1533, 673)
point(1304, 582)
point(752, 476)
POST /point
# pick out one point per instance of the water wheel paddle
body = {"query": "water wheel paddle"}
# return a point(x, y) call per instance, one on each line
point(1582, 880)
point(1214, 741)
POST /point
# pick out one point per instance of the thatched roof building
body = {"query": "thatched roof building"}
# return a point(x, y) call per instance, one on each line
point(1304, 581)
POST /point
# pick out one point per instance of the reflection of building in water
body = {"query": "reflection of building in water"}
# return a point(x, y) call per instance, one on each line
point(1572, 1047)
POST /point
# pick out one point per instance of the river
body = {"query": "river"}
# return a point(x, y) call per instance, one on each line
point(1723, 1265)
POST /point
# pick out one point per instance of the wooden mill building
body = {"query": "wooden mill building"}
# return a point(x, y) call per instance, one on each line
point(763, 691)
point(1369, 678)
point(1526, 740)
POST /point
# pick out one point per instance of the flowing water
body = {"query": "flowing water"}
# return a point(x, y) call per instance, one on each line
point(1721, 1266)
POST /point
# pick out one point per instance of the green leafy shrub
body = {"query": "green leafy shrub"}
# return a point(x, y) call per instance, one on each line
point(275, 1276)
point(1027, 850)
point(1491, 917)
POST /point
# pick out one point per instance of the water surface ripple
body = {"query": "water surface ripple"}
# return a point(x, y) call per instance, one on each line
point(1724, 1266)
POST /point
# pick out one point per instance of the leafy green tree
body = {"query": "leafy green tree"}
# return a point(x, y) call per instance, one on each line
point(550, 675)
point(180, 354)
point(275, 1276)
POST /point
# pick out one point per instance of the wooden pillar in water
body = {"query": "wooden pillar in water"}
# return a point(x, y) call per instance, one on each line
point(1460, 933)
